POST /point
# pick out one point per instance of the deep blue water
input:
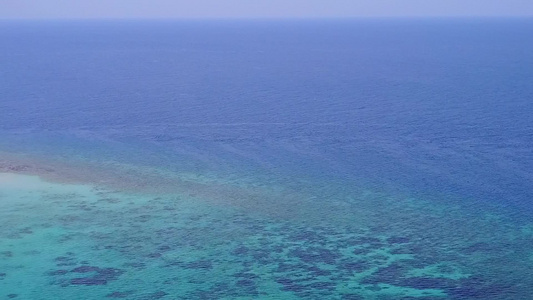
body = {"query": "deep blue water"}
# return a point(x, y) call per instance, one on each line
point(434, 109)
point(435, 105)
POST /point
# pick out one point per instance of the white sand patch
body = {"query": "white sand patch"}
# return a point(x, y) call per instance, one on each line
point(22, 182)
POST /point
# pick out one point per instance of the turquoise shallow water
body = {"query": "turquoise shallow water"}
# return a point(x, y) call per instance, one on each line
point(89, 241)
point(355, 159)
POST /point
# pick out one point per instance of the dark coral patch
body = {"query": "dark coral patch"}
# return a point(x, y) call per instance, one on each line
point(199, 264)
point(109, 200)
point(12, 296)
point(427, 283)
point(307, 236)
point(245, 275)
point(137, 265)
point(85, 269)
point(241, 250)
point(26, 230)
point(154, 255)
point(88, 281)
point(315, 271)
point(316, 255)
point(360, 251)
point(62, 261)
point(164, 248)
point(2, 276)
point(445, 269)
point(284, 267)
point(358, 266)
point(173, 264)
point(277, 249)
point(379, 258)
point(301, 288)
point(143, 218)
point(109, 273)
point(246, 283)
point(58, 272)
point(219, 289)
point(368, 241)
point(261, 256)
point(100, 276)
point(374, 288)
point(479, 247)
point(66, 264)
point(352, 297)
point(390, 274)
point(284, 281)
point(479, 288)
point(117, 294)
point(323, 285)
point(290, 286)
point(400, 250)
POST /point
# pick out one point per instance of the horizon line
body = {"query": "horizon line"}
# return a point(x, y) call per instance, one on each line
point(265, 18)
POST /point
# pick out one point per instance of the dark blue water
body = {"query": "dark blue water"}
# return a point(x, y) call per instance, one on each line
point(440, 110)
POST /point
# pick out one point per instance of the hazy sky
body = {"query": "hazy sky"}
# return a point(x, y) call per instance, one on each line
point(259, 8)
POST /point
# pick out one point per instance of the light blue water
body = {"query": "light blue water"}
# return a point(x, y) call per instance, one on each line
point(374, 159)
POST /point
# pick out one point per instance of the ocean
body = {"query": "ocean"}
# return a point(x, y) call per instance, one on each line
point(275, 159)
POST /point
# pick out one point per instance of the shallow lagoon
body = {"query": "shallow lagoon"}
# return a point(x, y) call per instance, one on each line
point(90, 242)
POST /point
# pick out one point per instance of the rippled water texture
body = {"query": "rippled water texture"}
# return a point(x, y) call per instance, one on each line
point(266, 160)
